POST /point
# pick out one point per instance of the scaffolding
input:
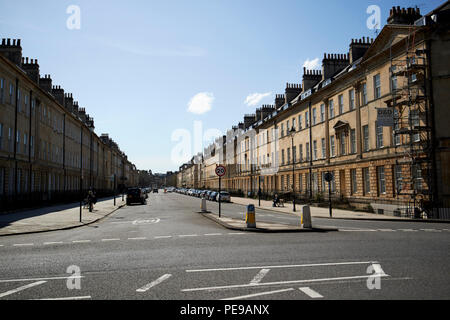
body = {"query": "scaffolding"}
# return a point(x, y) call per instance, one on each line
point(412, 129)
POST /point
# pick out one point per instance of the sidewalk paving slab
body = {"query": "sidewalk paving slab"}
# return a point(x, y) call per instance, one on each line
point(319, 212)
point(60, 217)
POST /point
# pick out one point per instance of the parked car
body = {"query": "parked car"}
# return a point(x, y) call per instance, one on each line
point(225, 196)
point(135, 195)
point(155, 190)
point(213, 196)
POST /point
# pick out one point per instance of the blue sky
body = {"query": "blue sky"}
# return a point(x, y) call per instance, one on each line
point(136, 65)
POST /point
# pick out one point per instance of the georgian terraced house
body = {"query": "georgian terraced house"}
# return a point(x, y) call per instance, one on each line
point(333, 122)
point(48, 147)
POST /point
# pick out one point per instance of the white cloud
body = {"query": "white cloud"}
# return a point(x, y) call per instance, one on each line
point(201, 103)
point(311, 64)
point(255, 98)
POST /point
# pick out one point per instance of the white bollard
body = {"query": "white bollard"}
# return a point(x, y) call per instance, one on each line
point(204, 205)
point(306, 217)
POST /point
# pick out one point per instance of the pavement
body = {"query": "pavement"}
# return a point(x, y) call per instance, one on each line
point(318, 212)
point(241, 225)
point(58, 217)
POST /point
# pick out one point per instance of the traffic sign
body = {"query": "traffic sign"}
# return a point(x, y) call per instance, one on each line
point(385, 117)
point(220, 171)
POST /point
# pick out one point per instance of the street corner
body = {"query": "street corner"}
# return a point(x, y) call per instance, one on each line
point(263, 227)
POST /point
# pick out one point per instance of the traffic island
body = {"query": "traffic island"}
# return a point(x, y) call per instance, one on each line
point(267, 227)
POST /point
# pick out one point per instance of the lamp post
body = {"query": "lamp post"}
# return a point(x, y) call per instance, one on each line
point(292, 133)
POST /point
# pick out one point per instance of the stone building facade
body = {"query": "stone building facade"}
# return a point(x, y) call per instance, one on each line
point(48, 147)
point(330, 122)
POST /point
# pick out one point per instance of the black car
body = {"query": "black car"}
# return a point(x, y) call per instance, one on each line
point(135, 195)
point(155, 190)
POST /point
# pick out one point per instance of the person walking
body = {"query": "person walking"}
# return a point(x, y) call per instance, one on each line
point(91, 199)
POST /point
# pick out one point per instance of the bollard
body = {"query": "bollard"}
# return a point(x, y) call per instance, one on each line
point(250, 216)
point(204, 205)
point(306, 217)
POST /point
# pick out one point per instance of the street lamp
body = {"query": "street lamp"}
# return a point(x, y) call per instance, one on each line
point(292, 133)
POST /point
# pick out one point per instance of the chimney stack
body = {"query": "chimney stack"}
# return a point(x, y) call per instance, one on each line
point(265, 110)
point(249, 119)
point(58, 93)
point(333, 63)
point(279, 100)
point(68, 102)
point(46, 83)
point(358, 48)
point(399, 15)
point(31, 68)
point(82, 114)
point(11, 51)
point(310, 78)
point(292, 91)
point(75, 109)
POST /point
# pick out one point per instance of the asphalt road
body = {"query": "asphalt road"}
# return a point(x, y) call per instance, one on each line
point(165, 250)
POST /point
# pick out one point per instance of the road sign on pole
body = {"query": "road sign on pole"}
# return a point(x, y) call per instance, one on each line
point(220, 171)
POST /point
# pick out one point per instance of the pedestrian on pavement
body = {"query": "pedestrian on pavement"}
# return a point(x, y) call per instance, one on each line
point(90, 199)
point(276, 200)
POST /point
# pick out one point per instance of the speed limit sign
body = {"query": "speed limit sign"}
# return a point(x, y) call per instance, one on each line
point(220, 171)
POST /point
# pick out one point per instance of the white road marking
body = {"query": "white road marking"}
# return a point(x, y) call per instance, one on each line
point(105, 240)
point(81, 241)
point(23, 244)
point(7, 293)
point(310, 292)
point(430, 230)
point(408, 230)
point(38, 279)
point(139, 238)
point(154, 283)
point(188, 235)
point(67, 298)
point(151, 221)
point(163, 237)
point(259, 276)
point(358, 230)
point(50, 243)
point(236, 233)
point(258, 294)
point(284, 266)
point(280, 283)
point(213, 234)
point(386, 230)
